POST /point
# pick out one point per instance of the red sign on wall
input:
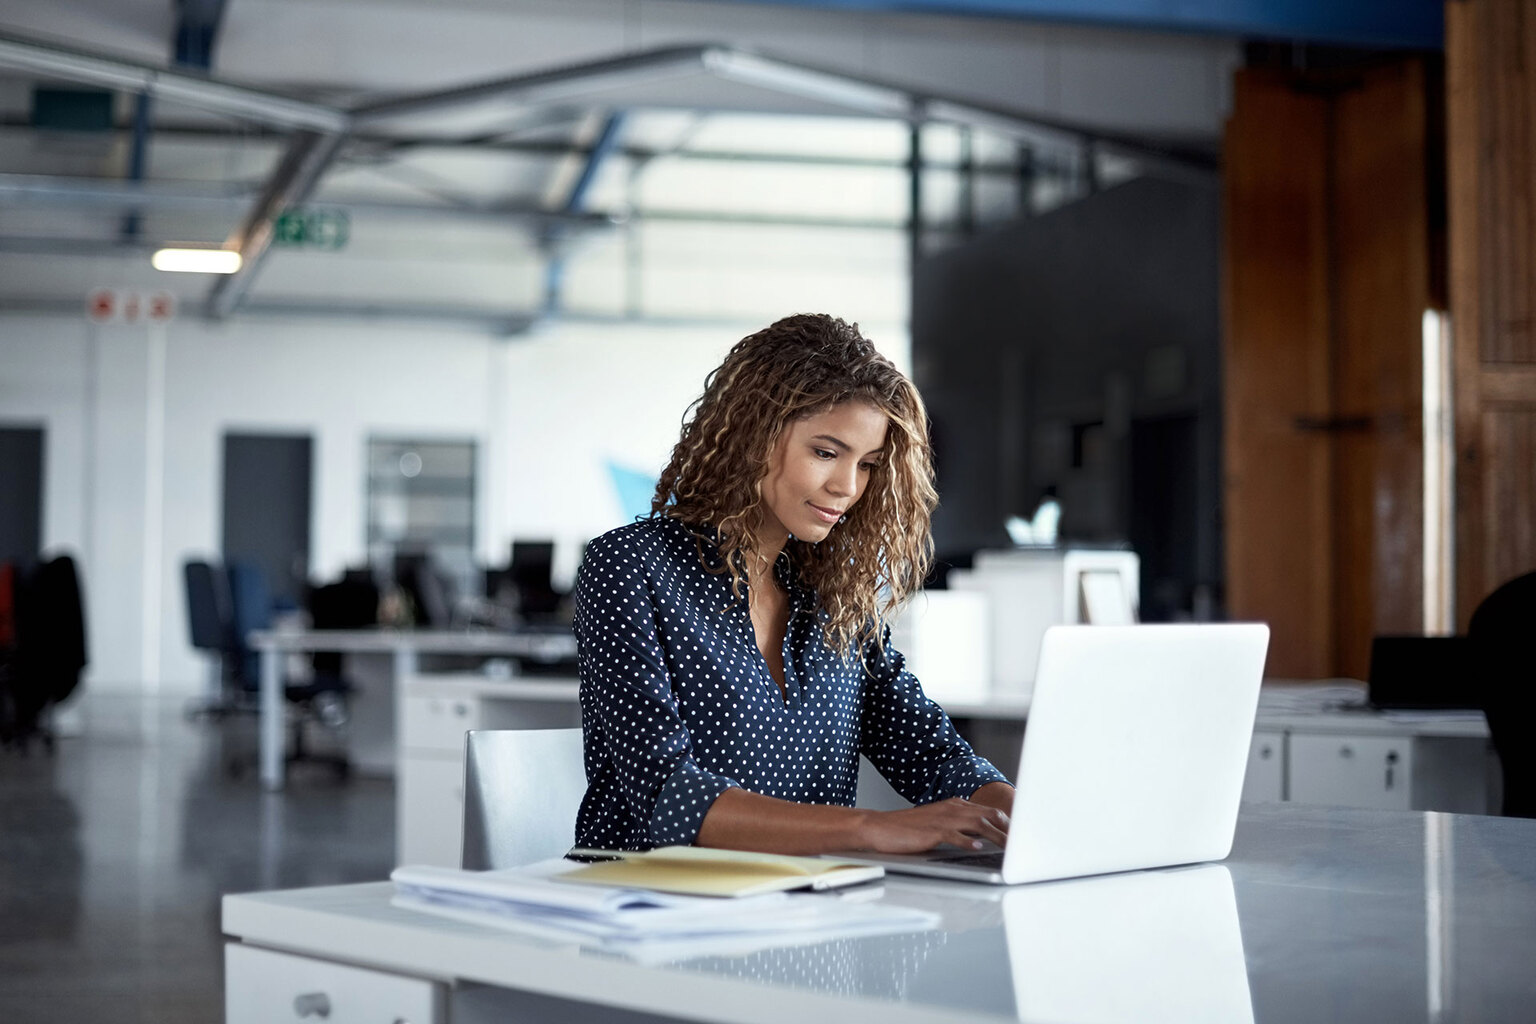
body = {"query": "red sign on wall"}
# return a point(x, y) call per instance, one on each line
point(126, 306)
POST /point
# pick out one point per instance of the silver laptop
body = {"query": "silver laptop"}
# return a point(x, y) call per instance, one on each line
point(1134, 754)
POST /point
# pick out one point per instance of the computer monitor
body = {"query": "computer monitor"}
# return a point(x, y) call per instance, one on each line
point(1427, 672)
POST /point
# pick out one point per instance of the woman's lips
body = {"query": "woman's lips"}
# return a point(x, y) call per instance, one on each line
point(828, 515)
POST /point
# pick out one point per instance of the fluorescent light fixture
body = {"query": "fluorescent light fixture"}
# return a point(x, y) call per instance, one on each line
point(196, 261)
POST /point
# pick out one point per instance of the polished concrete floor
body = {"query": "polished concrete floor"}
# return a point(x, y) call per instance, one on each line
point(115, 850)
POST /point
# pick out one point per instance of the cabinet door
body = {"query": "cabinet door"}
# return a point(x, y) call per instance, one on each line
point(429, 810)
point(1351, 771)
point(261, 987)
point(1265, 781)
point(439, 722)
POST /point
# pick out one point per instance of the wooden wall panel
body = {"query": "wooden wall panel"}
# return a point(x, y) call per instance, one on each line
point(1329, 273)
point(1381, 287)
point(1508, 109)
point(1509, 439)
point(1278, 481)
point(1491, 159)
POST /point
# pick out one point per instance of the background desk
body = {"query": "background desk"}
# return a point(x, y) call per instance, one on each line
point(402, 649)
point(1318, 744)
point(1340, 915)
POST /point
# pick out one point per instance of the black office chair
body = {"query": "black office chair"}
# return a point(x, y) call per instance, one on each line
point(210, 626)
point(1501, 632)
point(351, 603)
point(431, 597)
point(48, 654)
point(320, 700)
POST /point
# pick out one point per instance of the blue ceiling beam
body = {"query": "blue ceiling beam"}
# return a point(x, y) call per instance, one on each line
point(197, 29)
point(606, 145)
point(197, 32)
point(1370, 24)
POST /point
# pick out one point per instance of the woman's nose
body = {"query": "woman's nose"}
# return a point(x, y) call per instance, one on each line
point(844, 479)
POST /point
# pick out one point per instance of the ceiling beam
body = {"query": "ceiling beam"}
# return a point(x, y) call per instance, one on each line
point(553, 239)
point(190, 89)
point(309, 154)
point(388, 146)
point(557, 85)
point(43, 190)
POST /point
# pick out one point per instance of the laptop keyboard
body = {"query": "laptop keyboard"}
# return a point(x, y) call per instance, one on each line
point(980, 860)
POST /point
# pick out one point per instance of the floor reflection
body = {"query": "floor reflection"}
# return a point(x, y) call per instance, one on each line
point(115, 851)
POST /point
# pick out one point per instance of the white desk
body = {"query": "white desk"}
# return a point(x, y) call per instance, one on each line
point(403, 648)
point(1319, 915)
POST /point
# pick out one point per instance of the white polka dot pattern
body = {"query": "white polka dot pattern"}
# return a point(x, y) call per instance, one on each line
point(678, 705)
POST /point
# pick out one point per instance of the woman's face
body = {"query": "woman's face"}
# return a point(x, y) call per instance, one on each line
point(818, 469)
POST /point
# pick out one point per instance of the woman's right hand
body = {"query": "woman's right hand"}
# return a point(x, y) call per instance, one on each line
point(957, 821)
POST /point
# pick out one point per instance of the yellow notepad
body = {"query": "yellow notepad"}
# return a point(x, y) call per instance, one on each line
point(696, 871)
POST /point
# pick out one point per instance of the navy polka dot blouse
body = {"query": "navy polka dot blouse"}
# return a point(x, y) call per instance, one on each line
point(678, 705)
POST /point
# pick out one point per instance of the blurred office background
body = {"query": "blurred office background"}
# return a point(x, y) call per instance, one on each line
point(1219, 277)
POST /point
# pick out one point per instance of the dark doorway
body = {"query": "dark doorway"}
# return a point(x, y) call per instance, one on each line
point(21, 493)
point(1164, 520)
point(267, 509)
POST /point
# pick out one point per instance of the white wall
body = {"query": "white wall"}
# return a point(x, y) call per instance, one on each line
point(547, 411)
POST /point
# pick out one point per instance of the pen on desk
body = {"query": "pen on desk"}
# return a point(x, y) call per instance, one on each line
point(582, 855)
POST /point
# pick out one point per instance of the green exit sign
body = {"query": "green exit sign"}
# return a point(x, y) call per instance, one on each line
point(312, 229)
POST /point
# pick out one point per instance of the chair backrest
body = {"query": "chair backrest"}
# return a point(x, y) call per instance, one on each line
point(1500, 631)
point(209, 621)
point(250, 607)
point(522, 789)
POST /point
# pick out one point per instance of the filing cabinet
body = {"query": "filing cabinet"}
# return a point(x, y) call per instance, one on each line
point(266, 987)
point(1265, 779)
point(436, 710)
point(1352, 771)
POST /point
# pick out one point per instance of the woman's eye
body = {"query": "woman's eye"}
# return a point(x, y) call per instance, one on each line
point(869, 467)
point(822, 453)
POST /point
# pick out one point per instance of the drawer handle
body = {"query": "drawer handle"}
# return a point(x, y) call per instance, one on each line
point(316, 1003)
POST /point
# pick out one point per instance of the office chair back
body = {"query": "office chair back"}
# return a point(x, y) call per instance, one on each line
point(1500, 633)
point(522, 789)
point(209, 622)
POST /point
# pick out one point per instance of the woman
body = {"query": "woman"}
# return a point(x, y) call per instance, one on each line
point(734, 653)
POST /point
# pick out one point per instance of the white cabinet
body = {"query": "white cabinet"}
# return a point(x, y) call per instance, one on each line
point(1345, 770)
point(265, 987)
point(1265, 779)
point(435, 713)
point(429, 800)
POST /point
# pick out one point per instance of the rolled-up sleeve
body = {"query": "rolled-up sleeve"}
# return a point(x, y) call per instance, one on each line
point(909, 738)
point(640, 765)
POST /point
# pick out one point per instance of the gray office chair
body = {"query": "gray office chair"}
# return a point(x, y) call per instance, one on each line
point(522, 789)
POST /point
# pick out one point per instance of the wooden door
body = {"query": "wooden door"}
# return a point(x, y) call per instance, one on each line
point(1328, 275)
point(1491, 133)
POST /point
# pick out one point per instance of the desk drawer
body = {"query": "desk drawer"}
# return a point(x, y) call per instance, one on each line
point(263, 987)
point(1351, 771)
point(439, 722)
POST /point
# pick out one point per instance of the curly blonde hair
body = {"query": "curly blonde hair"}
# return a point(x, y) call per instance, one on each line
point(798, 367)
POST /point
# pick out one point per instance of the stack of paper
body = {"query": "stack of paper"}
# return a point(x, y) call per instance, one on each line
point(642, 923)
